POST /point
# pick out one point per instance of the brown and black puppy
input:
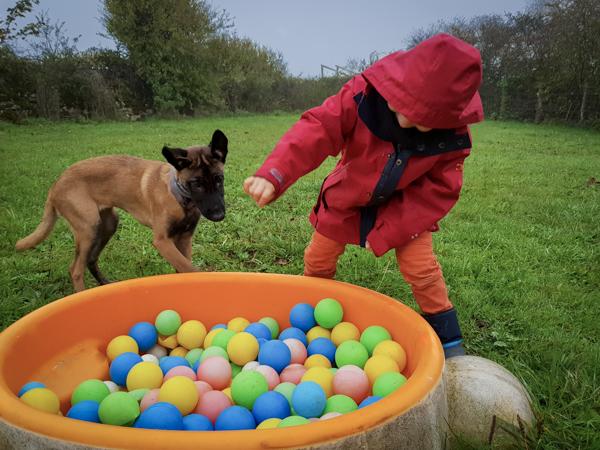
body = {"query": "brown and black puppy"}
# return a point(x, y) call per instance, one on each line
point(169, 198)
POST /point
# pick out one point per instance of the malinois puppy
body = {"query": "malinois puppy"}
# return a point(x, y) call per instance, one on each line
point(169, 198)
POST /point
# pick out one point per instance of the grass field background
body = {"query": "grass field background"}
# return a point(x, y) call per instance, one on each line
point(520, 251)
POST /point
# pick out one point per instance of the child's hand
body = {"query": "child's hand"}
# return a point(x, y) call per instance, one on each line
point(368, 246)
point(262, 191)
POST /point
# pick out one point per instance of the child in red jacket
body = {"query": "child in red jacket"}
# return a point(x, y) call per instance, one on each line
point(401, 127)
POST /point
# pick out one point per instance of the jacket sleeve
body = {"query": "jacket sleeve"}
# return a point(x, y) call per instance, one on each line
point(320, 132)
point(419, 206)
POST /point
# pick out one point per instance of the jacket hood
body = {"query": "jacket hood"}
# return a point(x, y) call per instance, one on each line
point(434, 84)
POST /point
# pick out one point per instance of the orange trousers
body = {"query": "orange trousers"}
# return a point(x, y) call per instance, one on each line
point(416, 261)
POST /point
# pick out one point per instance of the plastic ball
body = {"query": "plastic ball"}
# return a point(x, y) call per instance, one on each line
point(309, 399)
point(388, 382)
point(223, 338)
point(270, 375)
point(139, 394)
point(219, 325)
point(344, 331)
point(272, 325)
point(167, 322)
point(181, 392)
point(287, 390)
point(259, 330)
point(238, 324)
point(293, 373)
point(179, 351)
point(213, 351)
point(149, 399)
point(95, 390)
point(197, 422)
point(393, 350)
point(322, 377)
point(293, 421)
point(235, 369)
point(250, 365)
point(121, 365)
point(29, 386)
point(351, 352)
point(330, 415)
point(261, 341)
point(42, 399)
point(193, 355)
point(268, 424)
point(379, 364)
point(180, 371)
point(150, 358)
point(276, 354)
point(235, 418)
point(159, 351)
point(353, 382)
point(216, 371)
point(247, 387)
point(210, 336)
point(270, 405)
point(227, 392)
point(86, 410)
point(202, 387)
point(144, 375)
point(328, 313)
point(322, 346)
point(317, 361)
point(212, 403)
point(118, 408)
point(297, 350)
point(372, 336)
point(341, 404)
point(191, 334)
point(168, 342)
point(317, 332)
point(120, 345)
point(302, 316)
point(145, 334)
point(160, 416)
point(112, 386)
point(293, 333)
point(168, 362)
point(368, 401)
point(242, 347)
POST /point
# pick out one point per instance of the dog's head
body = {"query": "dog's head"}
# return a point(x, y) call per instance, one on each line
point(200, 170)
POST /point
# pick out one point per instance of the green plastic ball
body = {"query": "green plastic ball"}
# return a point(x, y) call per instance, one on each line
point(340, 403)
point(167, 322)
point(235, 369)
point(94, 390)
point(271, 325)
point(247, 387)
point(193, 355)
point(328, 313)
point(351, 352)
point(372, 336)
point(213, 351)
point(292, 421)
point(387, 383)
point(119, 408)
point(287, 390)
point(138, 394)
point(223, 338)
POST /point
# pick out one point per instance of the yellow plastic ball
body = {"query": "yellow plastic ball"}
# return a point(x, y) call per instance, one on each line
point(242, 348)
point(317, 332)
point(344, 331)
point(168, 341)
point(179, 351)
point(42, 399)
point(317, 360)
point(210, 336)
point(144, 375)
point(191, 334)
point(267, 424)
point(227, 392)
point(393, 350)
point(378, 364)
point(322, 376)
point(181, 392)
point(121, 344)
point(238, 324)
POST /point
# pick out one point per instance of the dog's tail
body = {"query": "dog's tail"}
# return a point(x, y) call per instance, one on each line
point(43, 229)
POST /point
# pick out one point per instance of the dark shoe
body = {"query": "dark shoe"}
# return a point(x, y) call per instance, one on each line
point(445, 325)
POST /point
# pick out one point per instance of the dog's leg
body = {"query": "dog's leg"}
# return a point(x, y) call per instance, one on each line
point(83, 245)
point(168, 250)
point(106, 229)
point(184, 245)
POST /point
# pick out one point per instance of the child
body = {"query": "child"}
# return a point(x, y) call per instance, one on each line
point(401, 127)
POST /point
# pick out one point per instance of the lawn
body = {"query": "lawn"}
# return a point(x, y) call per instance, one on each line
point(520, 251)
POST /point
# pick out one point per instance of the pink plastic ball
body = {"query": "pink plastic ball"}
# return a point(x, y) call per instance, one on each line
point(202, 387)
point(180, 371)
point(149, 399)
point(211, 404)
point(352, 382)
point(297, 349)
point(270, 374)
point(293, 373)
point(313, 419)
point(250, 365)
point(330, 415)
point(216, 371)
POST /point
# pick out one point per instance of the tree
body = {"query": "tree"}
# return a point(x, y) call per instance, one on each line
point(8, 26)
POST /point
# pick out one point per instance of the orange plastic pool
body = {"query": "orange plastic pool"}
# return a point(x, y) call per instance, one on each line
point(64, 343)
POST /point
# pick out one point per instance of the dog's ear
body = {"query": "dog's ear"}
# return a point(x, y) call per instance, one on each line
point(177, 157)
point(218, 146)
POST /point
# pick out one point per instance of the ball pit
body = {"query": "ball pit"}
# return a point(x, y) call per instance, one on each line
point(81, 349)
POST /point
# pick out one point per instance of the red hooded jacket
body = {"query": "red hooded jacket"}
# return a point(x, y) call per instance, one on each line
point(391, 183)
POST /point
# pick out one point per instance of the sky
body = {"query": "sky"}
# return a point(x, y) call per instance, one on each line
point(307, 33)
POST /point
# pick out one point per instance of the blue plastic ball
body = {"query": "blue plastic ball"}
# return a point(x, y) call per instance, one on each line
point(219, 325)
point(309, 399)
point(197, 422)
point(302, 316)
point(270, 404)
point(86, 410)
point(259, 330)
point(145, 334)
point(121, 366)
point(261, 341)
point(195, 366)
point(295, 333)
point(29, 386)
point(168, 362)
point(160, 416)
point(322, 346)
point(275, 354)
point(368, 401)
point(235, 418)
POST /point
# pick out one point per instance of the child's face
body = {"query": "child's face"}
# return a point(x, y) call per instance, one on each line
point(405, 123)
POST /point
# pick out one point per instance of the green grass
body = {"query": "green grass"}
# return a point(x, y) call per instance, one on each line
point(520, 251)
